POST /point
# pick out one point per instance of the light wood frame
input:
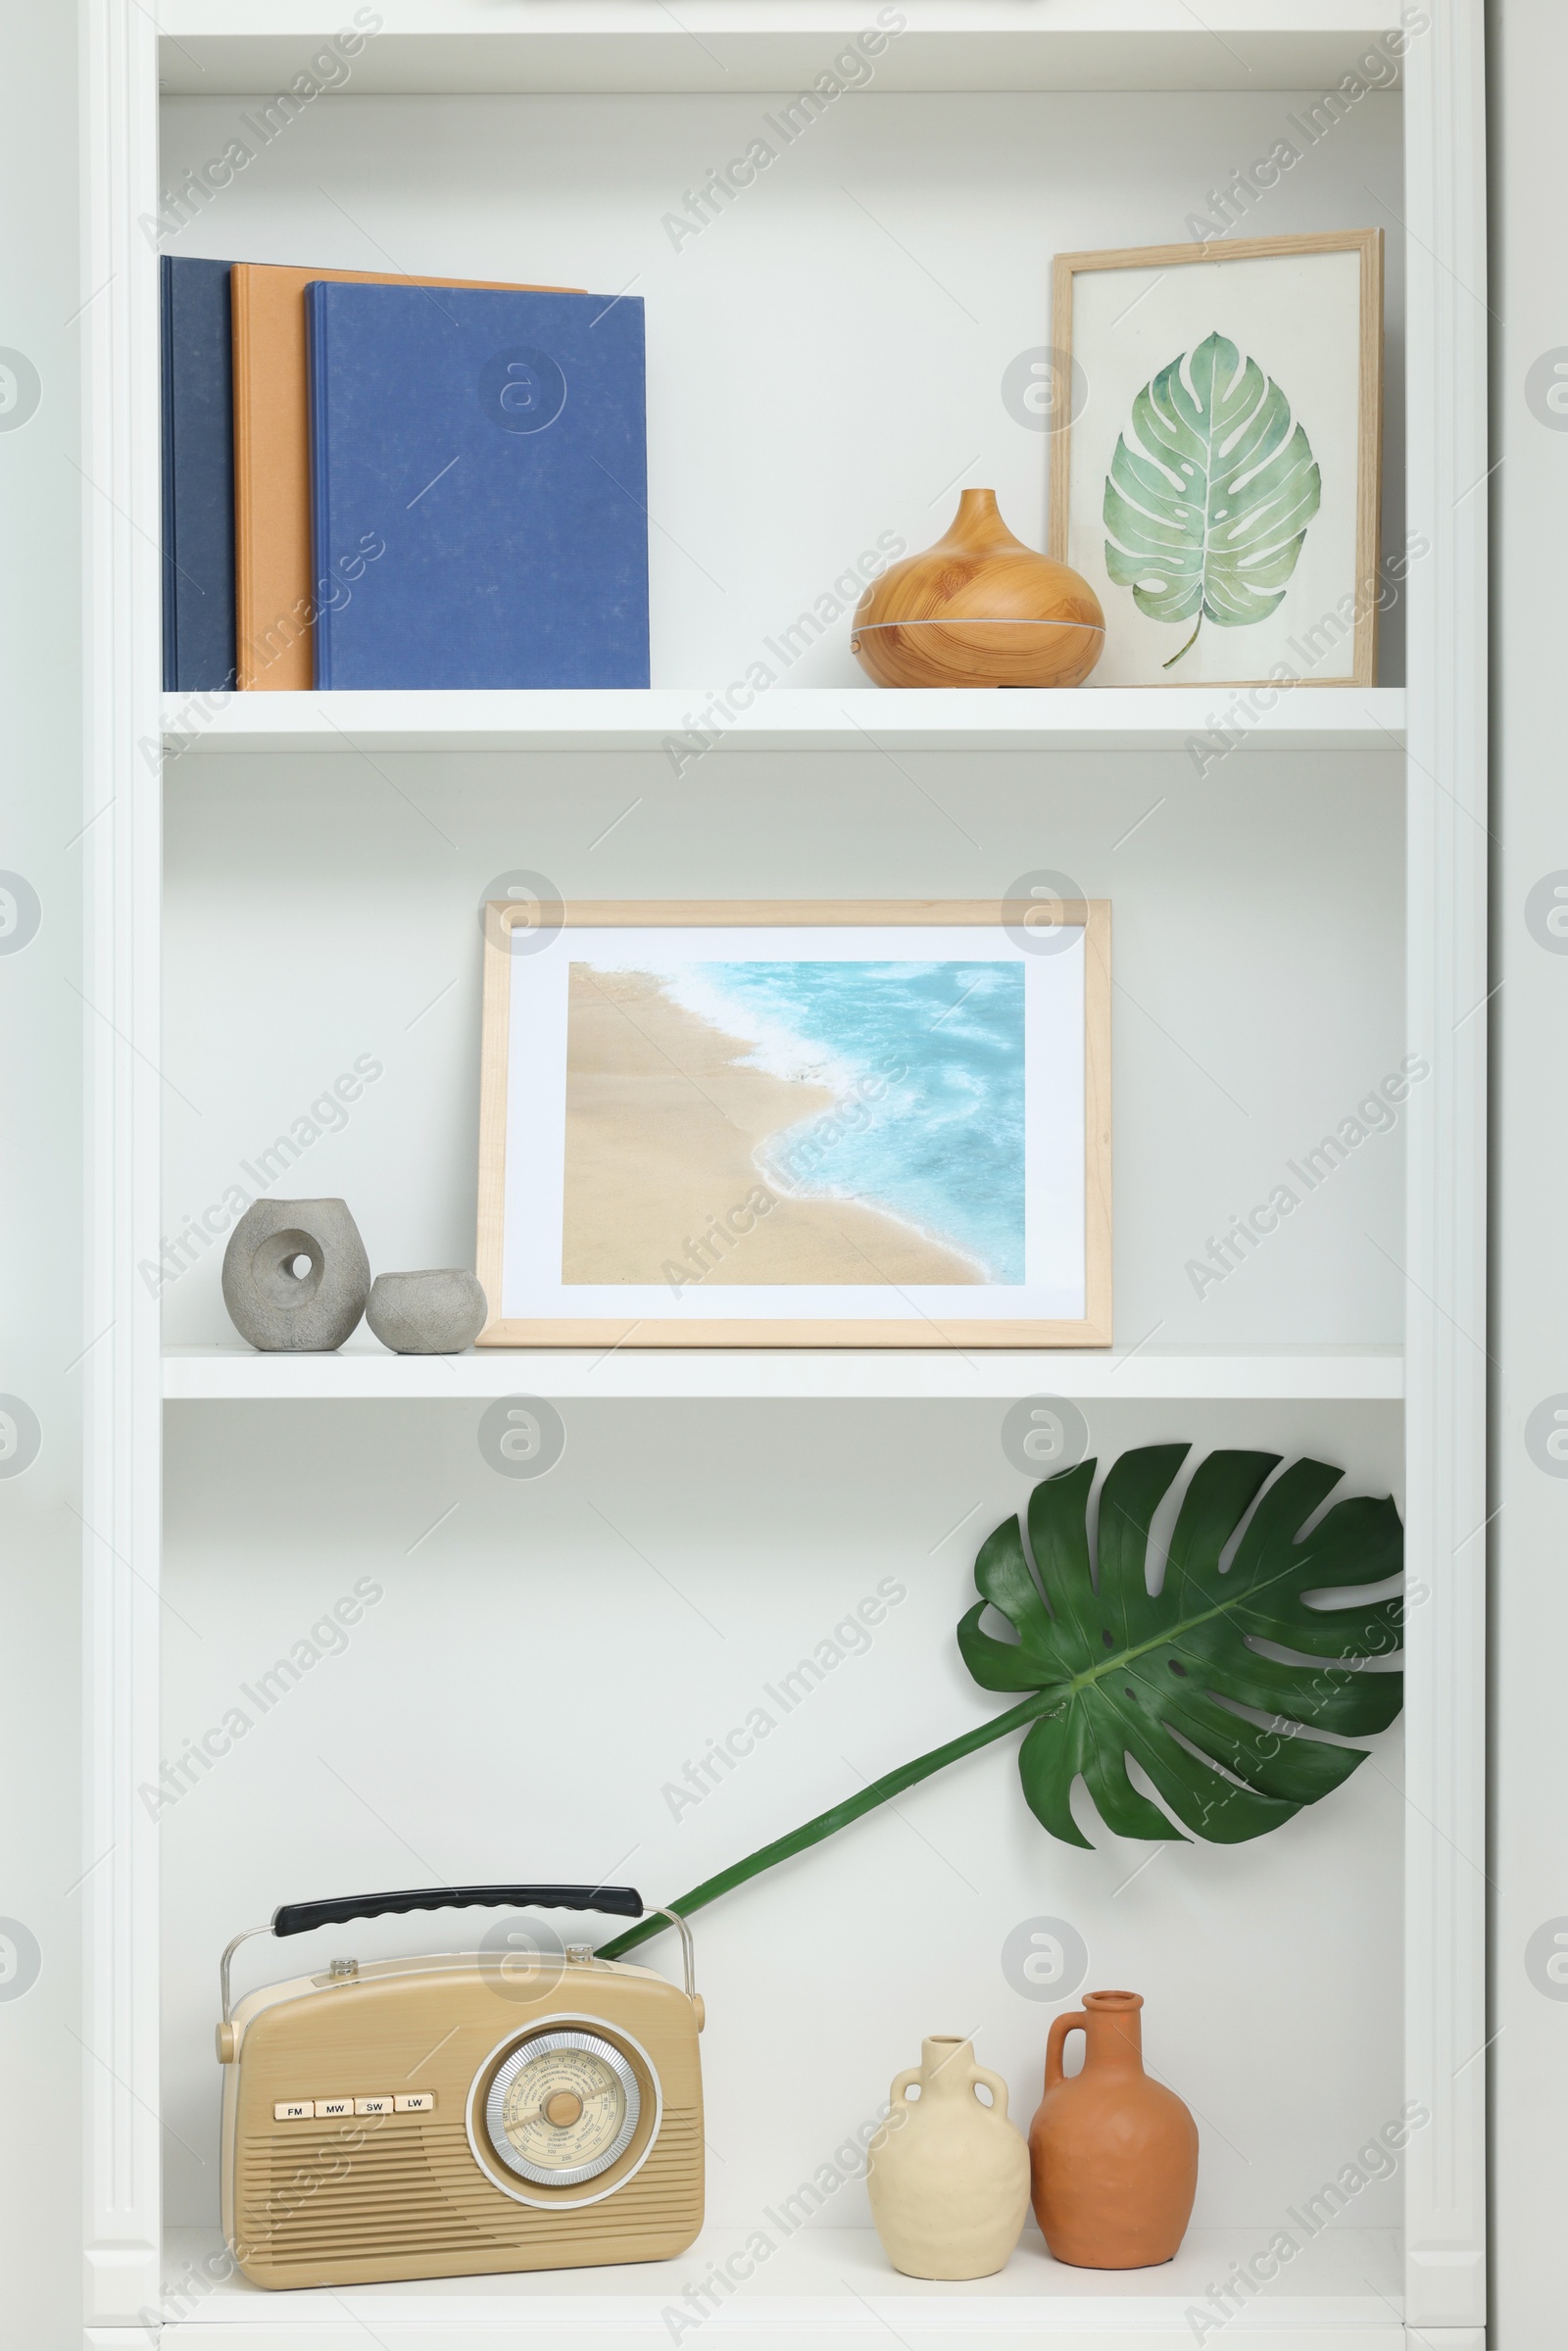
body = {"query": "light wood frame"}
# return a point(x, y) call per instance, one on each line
point(1093, 915)
point(1368, 243)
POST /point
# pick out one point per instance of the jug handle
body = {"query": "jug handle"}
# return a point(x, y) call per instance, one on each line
point(898, 2094)
point(995, 2084)
point(1057, 2041)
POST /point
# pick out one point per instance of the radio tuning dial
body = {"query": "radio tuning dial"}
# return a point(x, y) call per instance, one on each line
point(562, 2107)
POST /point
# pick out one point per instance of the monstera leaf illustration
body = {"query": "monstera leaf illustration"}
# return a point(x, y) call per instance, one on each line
point(1171, 1678)
point(1208, 511)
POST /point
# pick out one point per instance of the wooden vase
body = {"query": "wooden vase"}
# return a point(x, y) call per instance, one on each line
point(1113, 2156)
point(978, 608)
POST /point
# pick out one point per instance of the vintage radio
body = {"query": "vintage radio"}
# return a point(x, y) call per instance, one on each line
point(465, 2112)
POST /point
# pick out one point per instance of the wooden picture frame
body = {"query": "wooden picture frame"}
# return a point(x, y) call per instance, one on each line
point(1309, 635)
point(559, 1182)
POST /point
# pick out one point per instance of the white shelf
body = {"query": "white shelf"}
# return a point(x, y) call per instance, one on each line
point(433, 47)
point(830, 2286)
point(789, 718)
point(363, 1371)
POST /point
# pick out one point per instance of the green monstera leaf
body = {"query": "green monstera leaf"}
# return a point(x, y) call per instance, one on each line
point(1114, 1670)
point(1208, 513)
point(1146, 1675)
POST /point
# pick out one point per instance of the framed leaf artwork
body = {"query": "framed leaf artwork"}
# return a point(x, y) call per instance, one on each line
point(1218, 479)
point(881, 1123)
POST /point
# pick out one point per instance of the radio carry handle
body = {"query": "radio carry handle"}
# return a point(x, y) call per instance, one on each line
point(299, 1918)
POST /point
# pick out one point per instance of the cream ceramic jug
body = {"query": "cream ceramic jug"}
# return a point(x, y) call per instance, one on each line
point(948, 2175)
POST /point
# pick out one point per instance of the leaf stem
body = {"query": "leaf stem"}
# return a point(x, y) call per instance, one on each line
point(880, 1792)
point(1188, 647)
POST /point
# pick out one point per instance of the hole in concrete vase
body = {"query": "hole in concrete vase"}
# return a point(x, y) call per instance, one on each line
point(287, 1268)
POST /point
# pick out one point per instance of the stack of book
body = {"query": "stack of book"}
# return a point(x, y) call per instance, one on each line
point(409, 482)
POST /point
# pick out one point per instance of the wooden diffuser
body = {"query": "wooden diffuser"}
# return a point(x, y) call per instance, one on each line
point(978, 608)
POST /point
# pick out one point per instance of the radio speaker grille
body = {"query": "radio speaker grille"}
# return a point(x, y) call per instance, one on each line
point(407, 2194)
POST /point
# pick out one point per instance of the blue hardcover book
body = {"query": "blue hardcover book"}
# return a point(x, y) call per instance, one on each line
point(479, 487)
point(198, 370)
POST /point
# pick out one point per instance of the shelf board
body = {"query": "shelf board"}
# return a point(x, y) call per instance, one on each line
point(362, 1371)
point(789, 718)
point(440, 47)
point(834, 2285)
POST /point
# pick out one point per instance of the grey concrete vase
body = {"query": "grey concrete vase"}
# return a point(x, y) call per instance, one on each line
point(295, 1275)
point(437, 1312)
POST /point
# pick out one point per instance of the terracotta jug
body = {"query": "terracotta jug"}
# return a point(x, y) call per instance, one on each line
point(1113, 2156)
point(978, 608)
point(948, 2177)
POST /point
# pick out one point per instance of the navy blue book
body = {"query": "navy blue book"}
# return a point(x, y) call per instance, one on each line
point(479, 487)
point(198, 370)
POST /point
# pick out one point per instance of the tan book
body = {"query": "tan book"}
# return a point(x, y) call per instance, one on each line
point(274, 609)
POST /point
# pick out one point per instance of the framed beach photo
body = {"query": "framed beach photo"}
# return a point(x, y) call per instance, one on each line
point(1218, 483)
point(803, 1124)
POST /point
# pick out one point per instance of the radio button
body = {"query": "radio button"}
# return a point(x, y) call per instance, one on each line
point(373, 2106)
point(422, 2101)
point(293, 2110)
point(325, 2107)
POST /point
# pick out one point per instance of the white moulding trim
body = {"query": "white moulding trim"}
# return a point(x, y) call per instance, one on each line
point(122, 527)
point(1446, 1361)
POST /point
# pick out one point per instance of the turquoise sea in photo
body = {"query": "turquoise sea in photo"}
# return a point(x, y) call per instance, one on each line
point(941, 1146)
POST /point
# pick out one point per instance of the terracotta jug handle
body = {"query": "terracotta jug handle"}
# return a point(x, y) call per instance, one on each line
point(898, 2094)
point(995, 2084)
point(1057, 2041)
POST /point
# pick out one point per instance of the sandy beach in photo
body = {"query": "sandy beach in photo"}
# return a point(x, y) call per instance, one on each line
point(663, 1122)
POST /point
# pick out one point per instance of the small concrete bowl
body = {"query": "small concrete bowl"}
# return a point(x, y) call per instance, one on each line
point(437, 1312)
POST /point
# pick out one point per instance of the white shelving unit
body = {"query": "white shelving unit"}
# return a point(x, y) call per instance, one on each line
point(1291, 919)
point(832, 2287)
point(237, 1374)
point(425, 48)
point(788, 718)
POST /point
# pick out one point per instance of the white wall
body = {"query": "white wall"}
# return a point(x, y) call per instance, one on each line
point(825, 360)
point(550, 1653)
point(811, 383)
point(1530, 494)
point(814, 378)
point(323, 908)
point(41, 1337)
